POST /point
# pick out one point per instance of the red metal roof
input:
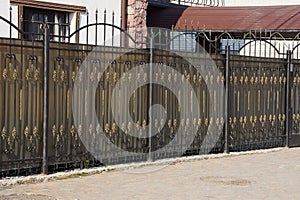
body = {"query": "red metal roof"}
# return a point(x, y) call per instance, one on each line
point(240, 18)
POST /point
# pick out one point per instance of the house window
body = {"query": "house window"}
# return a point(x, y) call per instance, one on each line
point(33, 17)
point(63, 18)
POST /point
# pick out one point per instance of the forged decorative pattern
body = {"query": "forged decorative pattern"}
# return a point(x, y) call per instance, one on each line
point(257, 83)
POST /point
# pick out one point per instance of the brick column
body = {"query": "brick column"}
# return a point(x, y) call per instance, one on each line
point(137, 13)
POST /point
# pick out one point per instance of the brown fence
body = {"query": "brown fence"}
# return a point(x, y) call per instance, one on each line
point(261, 98)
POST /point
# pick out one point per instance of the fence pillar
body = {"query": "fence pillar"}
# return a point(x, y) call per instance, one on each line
point(150, 98)
point(46, 99)
point(289, 70)
point(227, 101)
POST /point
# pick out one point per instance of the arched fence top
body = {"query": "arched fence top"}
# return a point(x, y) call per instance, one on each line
point(11, 24)
point(261, 40)
point(101, 24)
point(295, 47)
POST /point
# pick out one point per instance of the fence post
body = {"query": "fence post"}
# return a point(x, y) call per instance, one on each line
point(152, 37)
point(227, 74)
point(45, 99)
point(289, 69)
point(150, 97)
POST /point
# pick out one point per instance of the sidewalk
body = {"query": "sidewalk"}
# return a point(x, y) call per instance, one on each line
point(273, 175)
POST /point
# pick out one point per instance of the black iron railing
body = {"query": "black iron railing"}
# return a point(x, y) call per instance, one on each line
point(256, 88)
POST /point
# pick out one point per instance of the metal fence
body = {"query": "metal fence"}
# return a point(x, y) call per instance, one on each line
point(199, 2)
point(259, 71)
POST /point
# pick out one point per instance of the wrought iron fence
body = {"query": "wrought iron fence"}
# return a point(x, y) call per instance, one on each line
point(199, 2)
point(259, 70)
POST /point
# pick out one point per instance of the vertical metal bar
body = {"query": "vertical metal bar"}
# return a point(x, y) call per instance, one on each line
point(10, 29)
point(70, 83)
point(227, 100)
point(150, 96)
point(22, 94)
point(46, 95)
point(288, 96)
point(87, 29)
point(113, 29)
point(104, 31)
point(96, 29)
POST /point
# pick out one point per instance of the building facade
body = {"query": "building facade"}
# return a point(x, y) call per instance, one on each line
point(71, 14)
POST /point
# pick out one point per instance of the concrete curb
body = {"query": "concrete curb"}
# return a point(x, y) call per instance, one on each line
point(11, 181)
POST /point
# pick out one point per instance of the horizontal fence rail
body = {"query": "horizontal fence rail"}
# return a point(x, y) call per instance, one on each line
point(257, 87)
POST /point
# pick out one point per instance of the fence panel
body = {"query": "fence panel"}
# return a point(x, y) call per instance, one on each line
point(257, 115)
point(258, 84)
point(295, 101)
point(21, 101)
point(257, 107)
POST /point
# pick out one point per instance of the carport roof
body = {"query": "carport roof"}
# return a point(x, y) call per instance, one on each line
point(238, 18)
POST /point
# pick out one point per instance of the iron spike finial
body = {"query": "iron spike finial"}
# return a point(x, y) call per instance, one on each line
point(96, 15)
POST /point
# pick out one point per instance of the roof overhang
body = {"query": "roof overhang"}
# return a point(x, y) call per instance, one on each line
point(241, 18)
point(236, 20)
